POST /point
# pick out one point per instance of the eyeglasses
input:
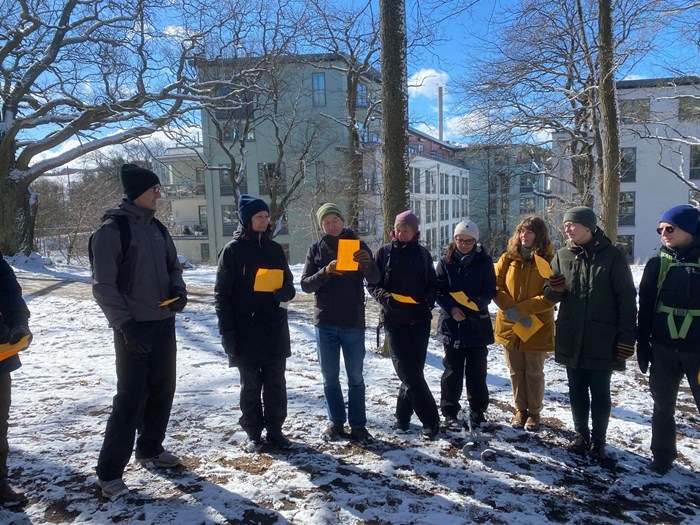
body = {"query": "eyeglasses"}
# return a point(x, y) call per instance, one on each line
point(666, 229)
point(464, 241)
point(157, 189)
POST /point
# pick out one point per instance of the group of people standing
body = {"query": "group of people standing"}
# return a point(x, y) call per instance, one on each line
point(137, 282)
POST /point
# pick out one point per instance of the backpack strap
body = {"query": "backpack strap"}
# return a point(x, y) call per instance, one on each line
point(667, 262)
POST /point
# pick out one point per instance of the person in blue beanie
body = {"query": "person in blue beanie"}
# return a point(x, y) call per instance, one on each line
point(668, 336)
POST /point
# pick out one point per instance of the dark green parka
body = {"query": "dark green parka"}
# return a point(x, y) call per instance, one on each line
point(598, 308)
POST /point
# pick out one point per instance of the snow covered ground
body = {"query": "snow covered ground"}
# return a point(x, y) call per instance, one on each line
point(62, 397)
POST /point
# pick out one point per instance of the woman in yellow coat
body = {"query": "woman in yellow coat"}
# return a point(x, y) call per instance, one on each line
point(522, 308)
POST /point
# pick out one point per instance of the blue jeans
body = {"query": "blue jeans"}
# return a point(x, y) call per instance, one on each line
point(329, 341)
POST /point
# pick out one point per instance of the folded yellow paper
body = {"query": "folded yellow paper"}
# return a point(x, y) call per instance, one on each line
point(8, 350)
point(168, 301)
point(346, 251)
point(267, 280)
point(462, 299)
point(526, 333)
point(403, 298)
point(543, 267)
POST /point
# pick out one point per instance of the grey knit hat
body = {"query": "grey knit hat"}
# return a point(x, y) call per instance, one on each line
point(582, 215)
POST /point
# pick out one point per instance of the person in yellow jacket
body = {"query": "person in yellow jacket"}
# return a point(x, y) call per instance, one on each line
point(522, 308)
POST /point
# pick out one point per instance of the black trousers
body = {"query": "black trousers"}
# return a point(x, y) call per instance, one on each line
point(464, 365)
point(589, 393)
point(408, 345)
point(263, 397)
point(145, 390)
point(668, 366)
point(5, 399)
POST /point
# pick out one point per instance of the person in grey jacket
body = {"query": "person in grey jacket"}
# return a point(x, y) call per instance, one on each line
point(137, 282)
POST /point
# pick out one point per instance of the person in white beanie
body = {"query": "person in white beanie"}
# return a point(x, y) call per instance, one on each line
point(465, 331)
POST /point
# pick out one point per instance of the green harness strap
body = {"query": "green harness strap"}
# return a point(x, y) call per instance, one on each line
point(667, 261)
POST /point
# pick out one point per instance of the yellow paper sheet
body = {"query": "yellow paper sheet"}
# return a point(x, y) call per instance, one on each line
point(268, 280)
point(543, 267)
point(526, 333)
point(462, 299)
point(168, 301)
point(403, 298)
point(346, 250)
point(8, 350)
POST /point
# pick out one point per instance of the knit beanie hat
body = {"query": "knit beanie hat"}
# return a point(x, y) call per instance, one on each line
point(408, 217)
point(582, 215)
point(327, 209)
point(468, 229)
point(136, 180)
point(248, 206)
point(685, 217)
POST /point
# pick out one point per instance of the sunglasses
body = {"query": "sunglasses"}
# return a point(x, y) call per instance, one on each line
point(666, 229)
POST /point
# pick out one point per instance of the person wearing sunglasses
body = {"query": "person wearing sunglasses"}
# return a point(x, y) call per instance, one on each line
point(466, 270)
point(668, 336)
point(596, 323)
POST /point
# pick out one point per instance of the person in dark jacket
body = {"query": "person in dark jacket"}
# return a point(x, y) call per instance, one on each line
point(595, 327)
point(339, 317)
point(669, 325)
point(406, 293)
point(252, 315)
point(129, 288)
point(465, 331)
point(14, 327)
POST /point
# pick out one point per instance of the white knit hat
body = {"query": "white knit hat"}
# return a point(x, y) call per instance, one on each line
point(468, 229)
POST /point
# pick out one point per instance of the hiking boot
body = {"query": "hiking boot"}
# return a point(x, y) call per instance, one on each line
point(9, 496)
point(277, 439)
point(430, 433)
point(519, 419)
point(580, 445)
point(360, 435)
point(113, 488)
point(533, 423)
point(452, 423)
point(333, 433)
point(401, 426)
point(661, 466)
point(163, 460)
point(477, 418)
point(597, 451)
point(252, 444)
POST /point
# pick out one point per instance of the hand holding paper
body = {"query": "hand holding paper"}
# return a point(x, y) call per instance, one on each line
point(268, 280)
point(462, 299)
point(346, 255)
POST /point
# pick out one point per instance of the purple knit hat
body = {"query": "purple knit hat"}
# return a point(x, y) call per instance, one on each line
point(408, 217)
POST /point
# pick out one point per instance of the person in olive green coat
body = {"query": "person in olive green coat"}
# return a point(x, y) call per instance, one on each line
point(596, 324)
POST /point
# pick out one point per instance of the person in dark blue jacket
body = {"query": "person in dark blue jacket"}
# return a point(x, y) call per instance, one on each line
point(465, 329)
point(252, 313)
point(14, 317)
point(406, 293)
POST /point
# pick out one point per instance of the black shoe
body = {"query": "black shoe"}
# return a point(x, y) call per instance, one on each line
point(360, 435)
point(452, 423)
point(580, 445)
point(430, 433)
point(9, 496)
point(477, 418)
point(252, 444)
point(333, 433)
point(597, 450)
point(661, 466)
point(401, 426)
point(277, 439)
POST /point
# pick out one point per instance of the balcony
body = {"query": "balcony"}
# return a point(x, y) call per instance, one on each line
point(188, 230)
point(183, 191)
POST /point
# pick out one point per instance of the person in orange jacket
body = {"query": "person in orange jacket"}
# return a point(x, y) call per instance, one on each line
point(521, 301)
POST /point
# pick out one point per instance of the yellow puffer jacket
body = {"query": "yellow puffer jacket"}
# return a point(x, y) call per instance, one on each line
point(519, 284)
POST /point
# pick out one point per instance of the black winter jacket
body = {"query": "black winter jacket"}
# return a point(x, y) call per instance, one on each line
point(406, 269)
point(339, 299)
point(680, 289)
point(598, 308)
point(255, 320)
point(13, 312)
point(476, 277)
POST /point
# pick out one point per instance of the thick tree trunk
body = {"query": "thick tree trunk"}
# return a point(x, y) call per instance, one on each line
point(17, 212)
point(392, 30)
point(610, 183)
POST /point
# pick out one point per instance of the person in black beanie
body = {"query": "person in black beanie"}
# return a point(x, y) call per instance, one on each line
point(668, 333)
point(253, 287)
point(137, 282)
point(14, 327)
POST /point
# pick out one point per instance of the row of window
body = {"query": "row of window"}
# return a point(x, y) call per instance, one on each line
point(628, 164)
point(427, 181)
point(427, 211)
point(638, 110)
point(318, 92)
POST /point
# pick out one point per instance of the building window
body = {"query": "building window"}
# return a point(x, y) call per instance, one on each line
point(634, 110)
point(694, 168)
point(689, 109)
point(626, 244)
point(225, 185)
point(318, 89)
point(228, 219)
point(269, 179)
point(204, 251)
point(444, 210)
point(527, 182)
point(626, 217)
point(414, 181)
point(444, 183)
point(362, 98)
point(455, 208)
point(694, 198)
point(284, 225)
point(628, 164)
point(527, 204)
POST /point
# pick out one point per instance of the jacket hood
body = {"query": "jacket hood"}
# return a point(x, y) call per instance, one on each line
point(128, 209)
point(244, 234)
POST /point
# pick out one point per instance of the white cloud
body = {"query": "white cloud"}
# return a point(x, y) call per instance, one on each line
point(425, 82)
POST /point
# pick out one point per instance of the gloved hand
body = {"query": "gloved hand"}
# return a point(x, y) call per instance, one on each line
point(512, 314)
point(557, 282)
point(643, 356)
point(362, 258)
point(228, 341)
point(330, 269)
point(179, 305)
point(526, 321)
point(624, 351)
point(17, 332)
point(285, 294)
point(136, 340)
